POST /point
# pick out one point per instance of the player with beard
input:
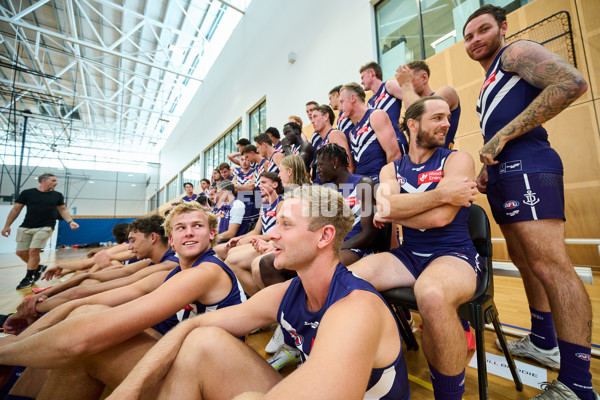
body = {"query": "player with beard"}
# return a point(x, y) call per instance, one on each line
point(525, 86)
point(428, 192)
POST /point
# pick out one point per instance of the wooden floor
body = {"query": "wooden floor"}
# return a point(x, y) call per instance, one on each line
point(509, 297)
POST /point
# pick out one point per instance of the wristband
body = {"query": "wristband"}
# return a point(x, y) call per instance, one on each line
point(70, 222)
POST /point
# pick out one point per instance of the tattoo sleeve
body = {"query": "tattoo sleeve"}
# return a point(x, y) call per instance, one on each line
point(561, 84)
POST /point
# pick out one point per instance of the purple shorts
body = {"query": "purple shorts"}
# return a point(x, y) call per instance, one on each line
point(361, 253)
point(416, 263)
point(527, 197)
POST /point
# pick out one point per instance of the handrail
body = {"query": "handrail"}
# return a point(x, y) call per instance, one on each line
point(567, 241)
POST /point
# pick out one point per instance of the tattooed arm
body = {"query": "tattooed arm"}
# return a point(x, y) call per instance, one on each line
point(562, 84)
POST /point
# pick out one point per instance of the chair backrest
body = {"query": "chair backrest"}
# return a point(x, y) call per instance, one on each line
point(479, 229)
point(384, 239)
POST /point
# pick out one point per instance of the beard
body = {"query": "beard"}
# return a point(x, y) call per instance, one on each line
point(492, 47)
point(426, 141)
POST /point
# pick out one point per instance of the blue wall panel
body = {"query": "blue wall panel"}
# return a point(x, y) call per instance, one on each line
point(90, 231)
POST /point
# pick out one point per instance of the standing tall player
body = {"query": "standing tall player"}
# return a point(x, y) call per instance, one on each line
point(525, 86)
point(387, 96)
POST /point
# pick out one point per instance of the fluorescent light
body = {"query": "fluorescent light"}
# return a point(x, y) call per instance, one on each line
point(91, 182)
point(446, 36)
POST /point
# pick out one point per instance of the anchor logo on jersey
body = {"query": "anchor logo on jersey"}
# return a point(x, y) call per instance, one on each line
point(530, 198)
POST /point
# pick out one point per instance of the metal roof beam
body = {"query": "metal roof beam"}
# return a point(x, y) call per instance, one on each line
point(47, 32)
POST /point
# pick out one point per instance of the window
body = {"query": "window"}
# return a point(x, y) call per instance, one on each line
point(152, 203)
point(173, 189)
point(192, 173)
point(217, 153)
point(409, 30)
point(258, 120)
point(161, 196)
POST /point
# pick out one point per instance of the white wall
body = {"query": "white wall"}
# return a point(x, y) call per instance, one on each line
point(111, 193)
point(9, 245)
point(331, 39)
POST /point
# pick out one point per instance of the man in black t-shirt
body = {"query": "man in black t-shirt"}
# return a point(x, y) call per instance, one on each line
point(42, 203)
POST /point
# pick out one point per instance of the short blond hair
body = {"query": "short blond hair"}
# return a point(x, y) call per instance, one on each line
point(186, 208)
point(324, 206)
point(356, 89)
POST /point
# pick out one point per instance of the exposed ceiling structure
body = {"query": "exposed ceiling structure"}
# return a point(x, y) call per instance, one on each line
point(103, 81)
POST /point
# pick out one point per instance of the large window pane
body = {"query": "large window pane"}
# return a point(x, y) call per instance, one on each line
point(173, 189)
point(258, 120)
point(439, 30)
point(397, 24)
point(192, 173)
point(398, 39)
point(217, 153)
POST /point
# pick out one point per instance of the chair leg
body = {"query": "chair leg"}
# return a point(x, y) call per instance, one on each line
point(509, 357)
point(405, 331)
point(481, 364)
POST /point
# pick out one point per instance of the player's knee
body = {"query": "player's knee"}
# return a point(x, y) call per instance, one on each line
point(34, 252)
point(431, 299)
point(255, 268)
point(205, 340)
point(22, 253)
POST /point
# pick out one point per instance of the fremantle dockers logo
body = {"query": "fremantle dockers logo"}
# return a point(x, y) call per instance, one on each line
point(530, 198)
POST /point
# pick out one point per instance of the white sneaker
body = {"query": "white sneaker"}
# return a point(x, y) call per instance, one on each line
point(558, 391)
point(524, 348)
point(286, 355)
point(276, 341)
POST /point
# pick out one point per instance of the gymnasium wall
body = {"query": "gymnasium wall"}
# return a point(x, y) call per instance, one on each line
point(573, 133)
point(111, 193)
point(332, 39)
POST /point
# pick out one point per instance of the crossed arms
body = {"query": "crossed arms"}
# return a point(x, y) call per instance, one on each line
point(430, 209)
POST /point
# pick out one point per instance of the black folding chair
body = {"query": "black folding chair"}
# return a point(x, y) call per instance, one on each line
point(479, 311)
